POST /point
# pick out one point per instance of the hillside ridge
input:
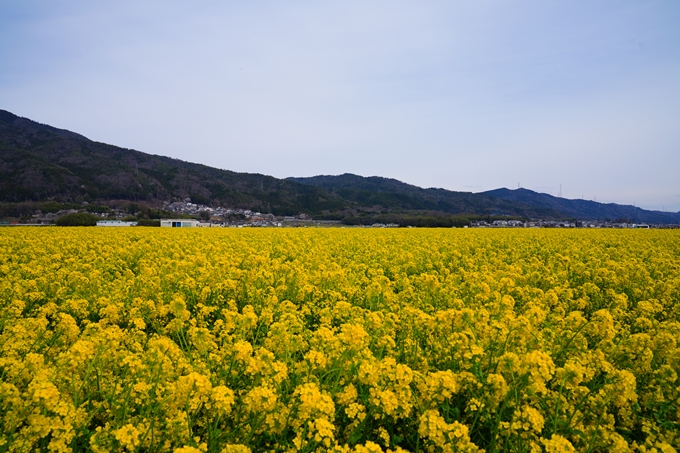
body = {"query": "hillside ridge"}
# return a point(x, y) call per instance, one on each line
point(40, 162)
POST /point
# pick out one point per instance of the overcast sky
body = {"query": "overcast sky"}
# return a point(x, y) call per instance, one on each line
point(464, 95)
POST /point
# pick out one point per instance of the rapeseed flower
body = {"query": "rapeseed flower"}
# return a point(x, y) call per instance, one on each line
point(339, 340)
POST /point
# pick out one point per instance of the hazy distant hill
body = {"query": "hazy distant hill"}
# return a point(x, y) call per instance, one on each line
point(392, 195)
point(41, 163)
point(584, 209)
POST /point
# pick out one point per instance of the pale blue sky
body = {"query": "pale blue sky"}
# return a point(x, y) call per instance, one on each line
point(462, 95)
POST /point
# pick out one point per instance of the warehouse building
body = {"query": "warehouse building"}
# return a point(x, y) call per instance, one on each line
point(114, 223)
point(179, 223)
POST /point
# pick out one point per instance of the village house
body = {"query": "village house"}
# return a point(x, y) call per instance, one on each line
point(179, 223)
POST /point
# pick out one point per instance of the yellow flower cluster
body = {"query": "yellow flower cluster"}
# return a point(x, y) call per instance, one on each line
point(339, 340)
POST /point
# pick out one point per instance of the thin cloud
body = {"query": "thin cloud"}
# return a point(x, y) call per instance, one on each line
point(458, 96)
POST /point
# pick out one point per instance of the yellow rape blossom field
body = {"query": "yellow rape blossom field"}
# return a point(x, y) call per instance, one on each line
point(342, 340)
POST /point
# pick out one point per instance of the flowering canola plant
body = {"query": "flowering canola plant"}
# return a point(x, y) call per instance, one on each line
point(340, 340)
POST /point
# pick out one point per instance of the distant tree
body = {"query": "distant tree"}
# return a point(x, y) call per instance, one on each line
point(149, 222)
point(205, 215)
point(132, 208)
point(77, 219)
point(98, 209)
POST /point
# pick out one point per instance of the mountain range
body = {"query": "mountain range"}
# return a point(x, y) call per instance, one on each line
point(40, 163)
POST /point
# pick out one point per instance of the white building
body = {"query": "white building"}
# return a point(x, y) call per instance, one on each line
point(179, 223)
point(115, 223)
